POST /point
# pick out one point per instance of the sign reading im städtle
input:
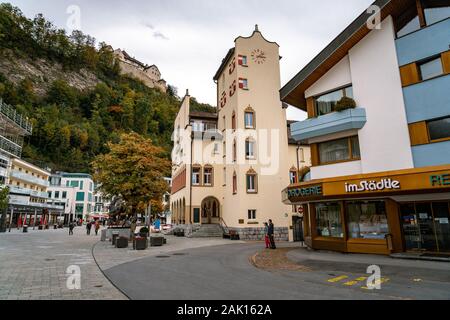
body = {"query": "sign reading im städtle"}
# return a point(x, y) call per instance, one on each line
point(416, 181)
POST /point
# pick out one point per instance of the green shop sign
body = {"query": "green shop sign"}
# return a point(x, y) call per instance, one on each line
point(305, 191)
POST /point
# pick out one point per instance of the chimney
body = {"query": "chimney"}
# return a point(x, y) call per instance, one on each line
point(256, 28)
point(187, 92)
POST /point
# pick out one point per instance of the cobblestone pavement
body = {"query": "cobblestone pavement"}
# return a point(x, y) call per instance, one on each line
point(33, 266)
point(107, 256)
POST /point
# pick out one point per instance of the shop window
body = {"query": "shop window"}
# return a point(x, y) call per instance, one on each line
point(326, 103)
point(251, 214)
point(367, 220)
point(346, 149)
point(431, 68)
point(328, 220)
point(439, 129)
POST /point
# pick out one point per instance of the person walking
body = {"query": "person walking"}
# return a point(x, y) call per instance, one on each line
point(97, 227)
point(71, 226)
point(271, 234)
point(88, 228)
point(266, 235)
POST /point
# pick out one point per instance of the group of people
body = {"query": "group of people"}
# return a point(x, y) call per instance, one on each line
point(269, 235)
point(95, 224)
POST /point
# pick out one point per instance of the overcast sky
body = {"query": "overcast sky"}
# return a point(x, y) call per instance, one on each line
point(187, 39)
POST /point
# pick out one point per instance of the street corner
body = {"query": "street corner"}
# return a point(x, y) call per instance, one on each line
point(276, 260)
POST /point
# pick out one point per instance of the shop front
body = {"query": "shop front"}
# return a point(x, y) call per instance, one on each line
point(381, 213)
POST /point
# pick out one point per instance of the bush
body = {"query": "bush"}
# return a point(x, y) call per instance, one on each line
point(144, 230)
point(345, 103)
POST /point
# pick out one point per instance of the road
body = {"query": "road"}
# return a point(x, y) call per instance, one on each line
point(225, 272)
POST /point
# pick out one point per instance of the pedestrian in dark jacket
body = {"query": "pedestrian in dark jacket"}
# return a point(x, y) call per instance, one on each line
point(270, 233)
point(71, 226)
point(88, 228)
point(266, 235)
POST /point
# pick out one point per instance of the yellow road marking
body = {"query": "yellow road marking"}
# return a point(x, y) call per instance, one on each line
point(337, 279)
point(353, 282)
point(380, 281)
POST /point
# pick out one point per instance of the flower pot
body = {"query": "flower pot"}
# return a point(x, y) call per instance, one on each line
point(121, 242)
point(140, 244)
point(156, 241)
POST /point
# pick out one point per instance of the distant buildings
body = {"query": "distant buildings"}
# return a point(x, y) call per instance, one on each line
point(149, 75)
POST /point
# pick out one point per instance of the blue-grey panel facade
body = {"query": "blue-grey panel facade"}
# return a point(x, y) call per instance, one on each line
point(432, 154)
point(424, 43)
point(427, 100)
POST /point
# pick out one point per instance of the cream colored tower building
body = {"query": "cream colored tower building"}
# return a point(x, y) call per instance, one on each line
point(241, 156)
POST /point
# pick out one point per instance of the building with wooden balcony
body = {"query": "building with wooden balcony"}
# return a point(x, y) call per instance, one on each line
point(378, 106)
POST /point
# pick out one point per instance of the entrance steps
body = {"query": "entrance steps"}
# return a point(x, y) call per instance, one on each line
point(207, 231)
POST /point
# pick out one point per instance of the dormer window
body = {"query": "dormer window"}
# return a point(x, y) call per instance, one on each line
point(326, 103)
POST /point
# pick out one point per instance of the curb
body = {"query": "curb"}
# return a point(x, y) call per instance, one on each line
point(101, 270)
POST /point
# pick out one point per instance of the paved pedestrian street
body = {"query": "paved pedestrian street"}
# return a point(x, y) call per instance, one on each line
point(35, 266)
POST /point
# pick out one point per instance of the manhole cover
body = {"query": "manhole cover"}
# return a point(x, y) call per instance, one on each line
point(50, 259)
point(179, 254)
point(163, 256)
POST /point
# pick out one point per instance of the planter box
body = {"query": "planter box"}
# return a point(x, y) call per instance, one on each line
point(114, 238)
point(122, 242)
point(140, 244)
point(156, 241)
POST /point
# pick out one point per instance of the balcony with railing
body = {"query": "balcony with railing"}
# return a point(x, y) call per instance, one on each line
point(10, 115)
point(29, 178)
point(27, 192)
point(10, 147)
point(350, 119)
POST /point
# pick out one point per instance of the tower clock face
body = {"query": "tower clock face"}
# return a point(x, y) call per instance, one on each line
point(258, 56)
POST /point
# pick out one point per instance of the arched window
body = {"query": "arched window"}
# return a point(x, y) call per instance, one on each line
point(249, 118)
point(233, 121)
point(234, 183)
point(251, 181)
point(196, 175)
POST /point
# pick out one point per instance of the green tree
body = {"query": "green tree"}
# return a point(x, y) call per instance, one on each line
point(4, 199)
point(133, 169)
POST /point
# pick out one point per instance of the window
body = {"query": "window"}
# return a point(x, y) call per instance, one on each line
point(439, 129)
point(224, 149)
point(64, 194)
point(75, 184)
point(242, 60)
point(249, 149)
point(79, 208)
point(433, 15)
point(328, 220)
point(208, 176)
point(233, 121)
point(249, 120)
point(293, 176)
point(81, 185)
point(367, 219)
point(234, 151)
point(224, 176)
point(196, 176)
point(251, 180)
point(243, 83)
point(57, 194)
point(251, 214)
point(80, 196)
point(346, 149)
point(49, 194)
point(216, 148)
point(431, 68)
point(234, 183)
point(326, 103)
point(3, 163)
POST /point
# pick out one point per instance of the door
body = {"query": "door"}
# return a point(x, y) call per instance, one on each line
point(426, 226)
point(441, 214)
point(297, 223)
